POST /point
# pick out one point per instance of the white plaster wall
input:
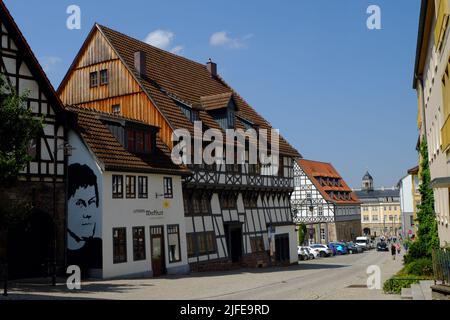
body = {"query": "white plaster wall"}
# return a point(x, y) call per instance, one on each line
point(119, 213)
point(293, 252)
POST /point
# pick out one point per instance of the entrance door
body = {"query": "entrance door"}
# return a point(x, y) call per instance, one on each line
point(234, 241)
point(157, 246)
point(282, 248)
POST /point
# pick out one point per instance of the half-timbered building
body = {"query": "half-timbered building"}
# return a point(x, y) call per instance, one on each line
point(324, 203)
point(236, 214)
point(41, 239)
point(125, 199)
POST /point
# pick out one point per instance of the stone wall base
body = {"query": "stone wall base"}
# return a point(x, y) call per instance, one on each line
point(252, 260)
point(440, 292)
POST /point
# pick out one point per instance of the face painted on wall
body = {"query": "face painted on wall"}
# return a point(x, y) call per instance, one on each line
point(84, 215)
point(83, 206)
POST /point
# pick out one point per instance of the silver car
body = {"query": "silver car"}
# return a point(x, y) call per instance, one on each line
point(324, 251)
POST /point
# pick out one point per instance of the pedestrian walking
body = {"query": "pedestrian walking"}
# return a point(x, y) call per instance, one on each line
point(393, 251)
point(399, 248)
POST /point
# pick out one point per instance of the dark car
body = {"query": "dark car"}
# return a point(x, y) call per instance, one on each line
point(353, 248)
point(382, 246)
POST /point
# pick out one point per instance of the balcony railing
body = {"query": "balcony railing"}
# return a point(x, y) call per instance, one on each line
point(222, 175)
point(441, 265)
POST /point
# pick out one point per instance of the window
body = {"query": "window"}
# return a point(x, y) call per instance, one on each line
point(190, 239)
point(143, 187)
point(139, 243)
point(228, 201)
point(33, 149)
point(93, 79)
point(168, 188)
point(320, 210)
point(391, 218)
point(374, 218)
point(322, 234)
point(139, 141)
point(250, 201)
point(117, 187)
point(131, 187)
point(281, 167)
point(231, 119)
point(366, 218)
point(103, 77)
point(116, 109)
point(173, 236)
point(257, 244)
point(119, 245)
point(196, 204)
point(200, 244)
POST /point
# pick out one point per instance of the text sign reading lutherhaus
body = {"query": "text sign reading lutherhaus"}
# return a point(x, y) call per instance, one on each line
point(150, 213)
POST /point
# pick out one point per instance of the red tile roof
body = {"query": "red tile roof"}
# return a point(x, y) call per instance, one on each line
point(217, 101)
point(112, 154)
point(328, 181)
point(169, 75)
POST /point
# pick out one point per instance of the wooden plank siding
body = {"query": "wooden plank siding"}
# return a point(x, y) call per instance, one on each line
point(121, 89)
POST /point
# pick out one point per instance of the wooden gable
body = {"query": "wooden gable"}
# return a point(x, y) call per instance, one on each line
point(122, 88)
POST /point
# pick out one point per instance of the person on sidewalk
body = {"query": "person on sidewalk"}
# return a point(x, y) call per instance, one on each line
point(393, 251)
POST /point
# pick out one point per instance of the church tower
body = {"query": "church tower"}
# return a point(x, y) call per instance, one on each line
point(367, 182)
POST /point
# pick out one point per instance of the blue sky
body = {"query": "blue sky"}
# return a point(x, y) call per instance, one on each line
point(339, 92)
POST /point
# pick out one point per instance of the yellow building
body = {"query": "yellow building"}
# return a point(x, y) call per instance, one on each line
point(432, 83)
point(380, 209)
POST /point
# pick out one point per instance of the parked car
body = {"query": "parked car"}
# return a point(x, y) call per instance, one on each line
point(323, 250)
point(314, 253)
point(302, 253)
point(364, 243)
point(353, 248)
point(382, 246)
point(332, 248)
point(340, 248)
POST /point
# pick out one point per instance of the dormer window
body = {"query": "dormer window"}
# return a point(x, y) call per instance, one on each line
point(104, 77)
point(139, 141)
point(116, 109)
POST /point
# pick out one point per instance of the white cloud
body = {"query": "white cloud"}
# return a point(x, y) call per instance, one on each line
point(177, 49)
point(160, 38)
point(49, 63)
point(223, 39)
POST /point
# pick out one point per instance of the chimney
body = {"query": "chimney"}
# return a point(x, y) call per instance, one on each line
point(212, 68)
point(139, 63)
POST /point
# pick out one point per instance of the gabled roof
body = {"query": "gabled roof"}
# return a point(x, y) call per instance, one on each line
point(377, 194)
point(217, 101)
point(112, 154)
point(414, 171)
point(170, 78)
point(28, 55)
point(317, 171)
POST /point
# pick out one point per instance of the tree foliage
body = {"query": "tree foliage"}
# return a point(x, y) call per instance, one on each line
point(302, 230)
point(427, 232)
point(18, 127)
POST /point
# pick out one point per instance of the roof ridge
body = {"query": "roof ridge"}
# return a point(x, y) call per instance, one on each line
point(147, 44)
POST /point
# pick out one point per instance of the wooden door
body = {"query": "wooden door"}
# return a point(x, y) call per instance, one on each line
point(158, 256)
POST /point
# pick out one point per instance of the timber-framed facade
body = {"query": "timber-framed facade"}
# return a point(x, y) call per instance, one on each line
point(42, 182)
point(324, 203)
point(236, 214)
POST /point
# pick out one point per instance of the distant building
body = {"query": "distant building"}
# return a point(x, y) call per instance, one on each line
point(409, 200)
point(325, 203)
point(380, 209)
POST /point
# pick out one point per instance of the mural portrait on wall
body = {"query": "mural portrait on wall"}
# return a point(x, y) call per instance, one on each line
point(84, 219)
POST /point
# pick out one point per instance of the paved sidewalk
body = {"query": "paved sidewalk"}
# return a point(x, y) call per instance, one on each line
point(342, 278)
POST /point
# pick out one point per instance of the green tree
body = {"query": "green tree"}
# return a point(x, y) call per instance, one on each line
point(301, 233)
point(427, 233)
point(18, 127)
